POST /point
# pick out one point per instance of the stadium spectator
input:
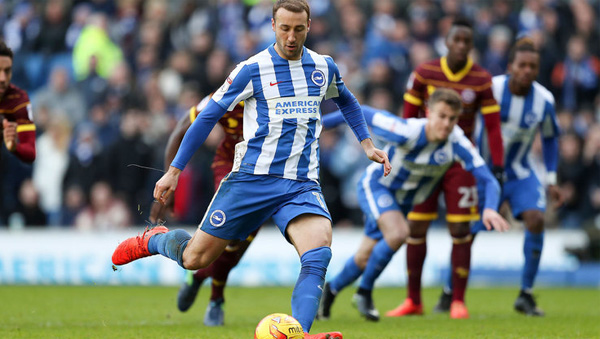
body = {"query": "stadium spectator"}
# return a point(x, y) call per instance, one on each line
point(86, 159)
point(53, 29)
point(51, 165)
point(95, 42)
point(74, 203)
point(61, 96)
point(571, 174)
point(104, 212)
point(591, 160)
point(29, 208)
point(577, 77)
point(129, 183)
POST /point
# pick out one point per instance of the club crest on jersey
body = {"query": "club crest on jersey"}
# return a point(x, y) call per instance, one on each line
point(468, 96)
point(217, 218)
point(385, 200)
point(318, 77)
point(440, 156)
point(530, 118)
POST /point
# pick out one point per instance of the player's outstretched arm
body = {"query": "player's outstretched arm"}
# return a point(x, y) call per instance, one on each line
point(376, 155)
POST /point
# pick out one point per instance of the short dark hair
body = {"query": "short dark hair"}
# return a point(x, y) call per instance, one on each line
point(5, 50)
point(524, 44)
point(463, 22)
point(296, 6)
point(448, 96)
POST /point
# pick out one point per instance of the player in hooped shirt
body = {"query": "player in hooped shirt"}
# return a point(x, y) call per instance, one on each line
point(218, 271)
point(456, 71)
point(276, 168)
point(420, 151)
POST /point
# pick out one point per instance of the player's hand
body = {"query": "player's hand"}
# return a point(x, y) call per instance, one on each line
point(556, 195)
point(493, 220)
point(159, 212)
point(377, 155)
point(166, 185)
point(9, 133)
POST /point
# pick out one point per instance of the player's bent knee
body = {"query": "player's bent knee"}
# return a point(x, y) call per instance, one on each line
point(460, 229)
point(534, 221)
point(396, 238)
point(418, 229)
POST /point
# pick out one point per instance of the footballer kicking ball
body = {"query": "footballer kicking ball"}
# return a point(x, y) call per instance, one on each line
point(278, 326)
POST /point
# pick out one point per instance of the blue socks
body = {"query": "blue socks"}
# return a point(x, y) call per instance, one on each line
point(346, 277)
point(380, 257)
point(170, 244)
point(308, 289)
point(532, 248)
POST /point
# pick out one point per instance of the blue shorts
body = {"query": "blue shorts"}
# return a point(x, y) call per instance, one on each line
point(245, 201)
point(376, 199)
point(522, 195)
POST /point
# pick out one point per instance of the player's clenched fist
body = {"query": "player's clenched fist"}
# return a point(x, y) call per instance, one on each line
point(9, 132)
point(166, 185)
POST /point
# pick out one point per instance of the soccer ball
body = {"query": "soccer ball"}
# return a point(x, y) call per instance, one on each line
point(278, 326)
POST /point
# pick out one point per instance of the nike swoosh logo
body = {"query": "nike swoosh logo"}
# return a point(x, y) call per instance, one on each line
point(275, 83)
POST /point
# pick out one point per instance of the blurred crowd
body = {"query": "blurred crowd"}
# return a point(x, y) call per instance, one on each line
point(109, 79)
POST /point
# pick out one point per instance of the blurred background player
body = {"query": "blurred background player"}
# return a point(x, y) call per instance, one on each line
point(526, 107)
point(18, 130)
point(420, 151)
point(456, 71)
point(231, 124)
point(276, 167)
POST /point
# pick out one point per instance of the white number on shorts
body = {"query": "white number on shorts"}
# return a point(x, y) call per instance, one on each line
point(468, 196)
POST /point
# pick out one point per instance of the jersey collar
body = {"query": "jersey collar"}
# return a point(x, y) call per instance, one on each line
point(458, 76)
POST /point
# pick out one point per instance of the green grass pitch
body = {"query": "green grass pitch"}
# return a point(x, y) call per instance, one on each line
point(151, 312)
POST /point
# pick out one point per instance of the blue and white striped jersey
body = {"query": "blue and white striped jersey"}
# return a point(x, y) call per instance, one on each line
point(521, 117)
point(282, 117)
point(418, 165)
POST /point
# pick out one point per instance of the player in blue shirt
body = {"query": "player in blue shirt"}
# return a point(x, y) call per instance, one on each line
point(276, 168)
point(526, 107)
point(420, 151)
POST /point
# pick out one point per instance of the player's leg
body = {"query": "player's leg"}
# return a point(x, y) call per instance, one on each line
point(416, 250)
point(394, 228)
point(445, 299)
point(214, 315)
point(529, 203)
point(306, 223)
point(460, 192)
point(311, 236)
point(190, 252)
point(353, 268)
point(419, 220)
